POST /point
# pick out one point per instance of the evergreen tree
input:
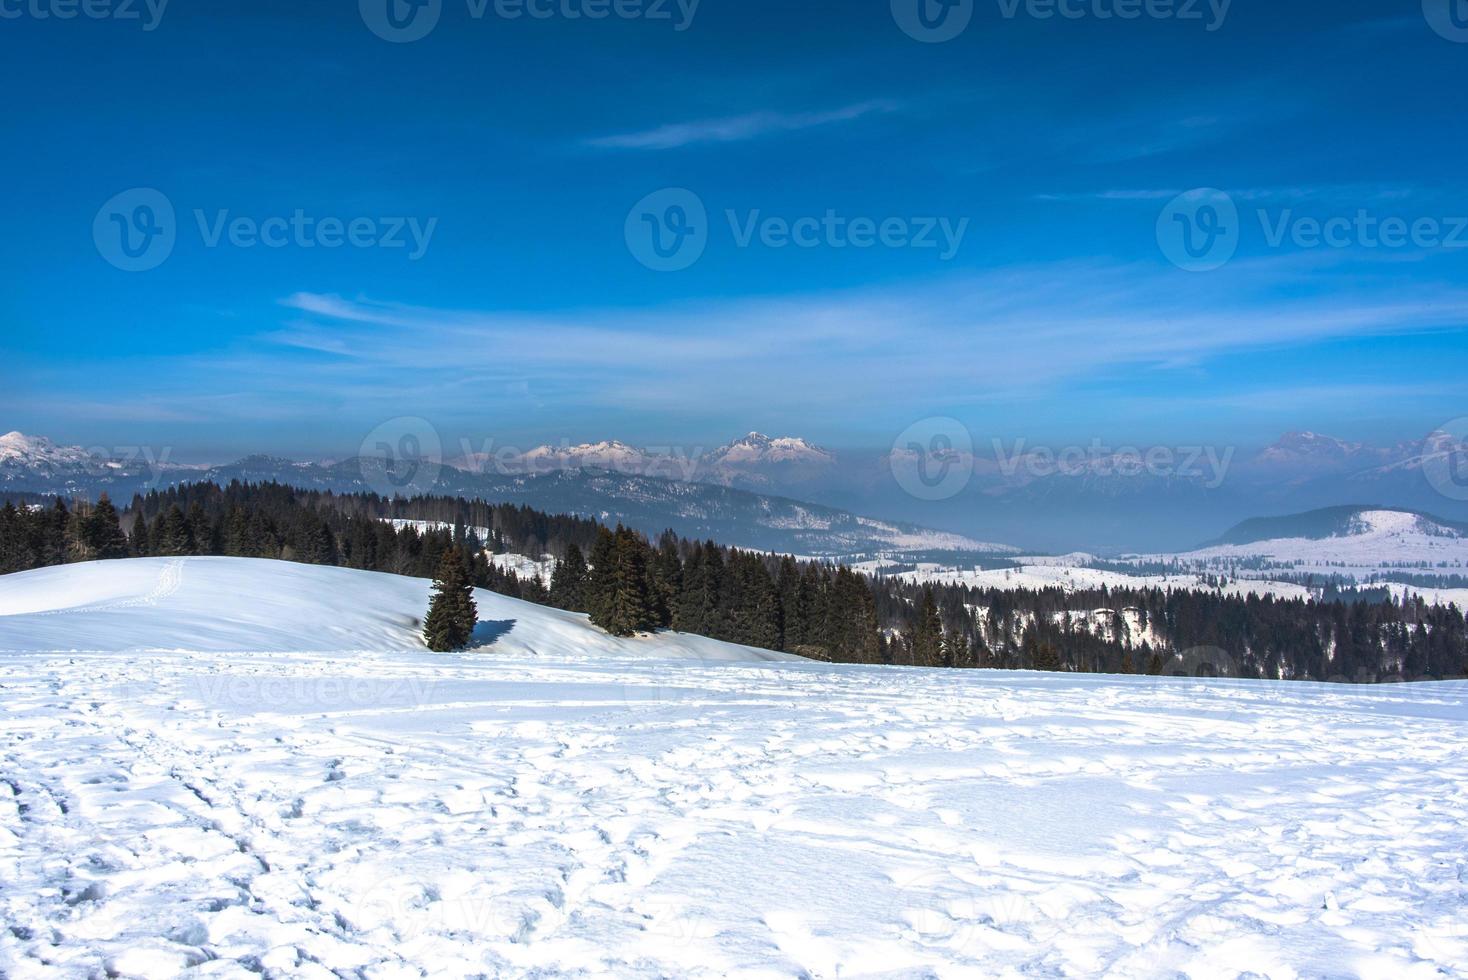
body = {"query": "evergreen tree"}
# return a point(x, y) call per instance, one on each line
point(927, 640)
point(568, 581)
point(174, 535)
point(139, 539)
point(15, 553)
point(103, 533)
point(452, 613)
point(625, 609)
point(601, 580)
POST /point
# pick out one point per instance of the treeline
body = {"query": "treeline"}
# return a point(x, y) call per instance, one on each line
point(629, 584)
point(1159, 631)
point(811, 608)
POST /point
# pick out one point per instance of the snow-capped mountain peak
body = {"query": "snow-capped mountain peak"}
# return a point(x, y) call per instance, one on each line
point(1307, 446)
point(19, 446)
point(21, 454)
point(760, 448)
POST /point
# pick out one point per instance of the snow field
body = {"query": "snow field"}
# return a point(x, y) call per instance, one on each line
point(560, 803)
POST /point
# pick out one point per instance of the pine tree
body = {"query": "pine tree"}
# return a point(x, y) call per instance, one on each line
point(927, 640)
point(568, 581)
point(452, 613)
point(15, 553)
point(1047, 657)
point(174, 535)
point(139, 539)
point(601, 579)
point(626, 609)
point(666, 586)
point(103, 533)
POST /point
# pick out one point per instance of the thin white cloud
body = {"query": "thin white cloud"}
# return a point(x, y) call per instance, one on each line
point(1005, 334)
point(733, 129)
point(1360, 195)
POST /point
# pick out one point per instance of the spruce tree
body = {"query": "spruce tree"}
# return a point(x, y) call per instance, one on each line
point(174, 535)
point(139, 538)
point(927, 640)
point(627, 609)
point(568, 581)
point(452, 614)
point(103, 533)
point(601, 580)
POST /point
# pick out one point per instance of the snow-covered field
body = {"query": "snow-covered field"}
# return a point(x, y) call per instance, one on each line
point(252, 767)
point(1383, 548)
point(1046, 573)
point(1381, 542)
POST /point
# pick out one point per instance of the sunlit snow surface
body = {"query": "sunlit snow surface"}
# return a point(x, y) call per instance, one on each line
point(558, 803)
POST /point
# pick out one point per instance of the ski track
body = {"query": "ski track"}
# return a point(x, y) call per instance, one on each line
point(250, 814)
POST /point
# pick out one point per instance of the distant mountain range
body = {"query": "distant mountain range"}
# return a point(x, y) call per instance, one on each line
point(1117, 502)
point(754, 462)
point(596, 481)
point(1041, 498)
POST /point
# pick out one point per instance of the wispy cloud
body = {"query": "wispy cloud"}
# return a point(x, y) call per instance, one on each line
point(994, 345)
point(1355, 194)
point(1010, 333)
point(733, 129)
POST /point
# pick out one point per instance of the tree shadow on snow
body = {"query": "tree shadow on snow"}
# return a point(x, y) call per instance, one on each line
point(487, 631)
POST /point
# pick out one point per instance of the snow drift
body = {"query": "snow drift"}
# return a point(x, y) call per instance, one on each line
point(248, 604)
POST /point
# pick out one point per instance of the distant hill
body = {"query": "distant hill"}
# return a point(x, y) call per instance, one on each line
point(1331, 522)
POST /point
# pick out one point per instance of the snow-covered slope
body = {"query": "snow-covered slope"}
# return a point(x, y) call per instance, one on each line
point(1359, 543)
point(246, 604)
point(549, 806)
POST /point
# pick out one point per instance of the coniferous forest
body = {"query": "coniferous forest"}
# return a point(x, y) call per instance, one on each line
point(629, 584)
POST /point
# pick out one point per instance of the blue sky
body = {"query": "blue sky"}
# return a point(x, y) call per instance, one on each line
point(1052, 150)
